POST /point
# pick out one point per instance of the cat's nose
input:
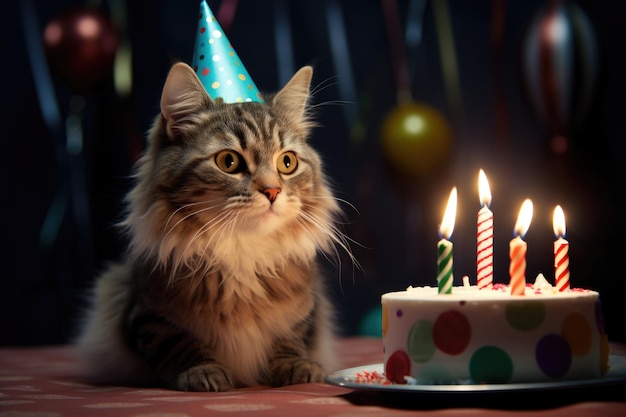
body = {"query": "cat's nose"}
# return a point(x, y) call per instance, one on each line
point(271, 193)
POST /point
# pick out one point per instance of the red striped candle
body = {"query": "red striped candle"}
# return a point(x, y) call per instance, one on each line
point(561, 249)
point(517, 250)
point(484, 236)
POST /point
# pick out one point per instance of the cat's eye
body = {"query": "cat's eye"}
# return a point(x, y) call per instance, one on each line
point(230, 162)
point(287, 163)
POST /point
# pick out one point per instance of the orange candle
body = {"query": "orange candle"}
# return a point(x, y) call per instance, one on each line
point(517, 250)
point(561, 249)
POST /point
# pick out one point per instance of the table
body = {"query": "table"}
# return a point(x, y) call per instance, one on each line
point(44, 382)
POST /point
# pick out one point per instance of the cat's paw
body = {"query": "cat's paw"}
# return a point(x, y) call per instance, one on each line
point(297, 371)
point(205, 377)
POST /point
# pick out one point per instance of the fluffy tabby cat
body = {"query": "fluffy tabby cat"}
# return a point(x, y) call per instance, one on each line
point(220, 288)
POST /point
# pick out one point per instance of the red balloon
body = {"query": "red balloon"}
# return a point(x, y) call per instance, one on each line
point(559, 65)
point(80, 46)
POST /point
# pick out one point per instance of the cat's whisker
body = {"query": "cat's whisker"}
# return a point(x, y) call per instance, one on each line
point(228, 223)
point(187, 216)
point(186, 260)
point(179, 209)
point(323, 85)
point(332, 226)
point(336, 235)
point(330, 103)
point(338, 199)
point(337, 258)
point(205, 228)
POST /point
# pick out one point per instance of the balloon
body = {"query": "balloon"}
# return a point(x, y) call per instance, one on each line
point(559, 66)
point(81, 45)
point(416, 138)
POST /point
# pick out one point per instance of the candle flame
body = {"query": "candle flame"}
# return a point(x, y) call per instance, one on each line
point(484, 192)
point(558, 222)
point(524, 218)
point(447, 224)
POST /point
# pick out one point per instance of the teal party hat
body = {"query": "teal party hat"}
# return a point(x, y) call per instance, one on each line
point(217, 64)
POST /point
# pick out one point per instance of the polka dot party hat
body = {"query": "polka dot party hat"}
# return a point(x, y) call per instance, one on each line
point(217, 64)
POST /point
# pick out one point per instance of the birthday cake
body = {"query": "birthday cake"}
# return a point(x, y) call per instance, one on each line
point(474, 336)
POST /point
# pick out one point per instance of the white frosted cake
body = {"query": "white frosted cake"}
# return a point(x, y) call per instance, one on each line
point(490, 336)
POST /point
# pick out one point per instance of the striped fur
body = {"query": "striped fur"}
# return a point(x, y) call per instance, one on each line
point(220, 288)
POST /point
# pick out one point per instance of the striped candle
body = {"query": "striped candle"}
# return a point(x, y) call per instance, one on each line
point(484, 236)
point(445, 277)
point(517, 250)
point(561, 249)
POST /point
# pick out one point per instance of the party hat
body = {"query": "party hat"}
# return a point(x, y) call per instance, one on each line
point(217, 64)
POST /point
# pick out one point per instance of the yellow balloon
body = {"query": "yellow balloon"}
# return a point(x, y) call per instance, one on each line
point(416, 138)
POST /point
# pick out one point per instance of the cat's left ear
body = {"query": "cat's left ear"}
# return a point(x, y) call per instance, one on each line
point(183, 94)
point(293, 97)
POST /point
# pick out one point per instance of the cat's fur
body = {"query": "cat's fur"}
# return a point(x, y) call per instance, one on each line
point(220, 288)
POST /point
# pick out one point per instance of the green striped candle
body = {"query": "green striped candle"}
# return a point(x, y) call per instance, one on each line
point(444, 247)
point(444, 267)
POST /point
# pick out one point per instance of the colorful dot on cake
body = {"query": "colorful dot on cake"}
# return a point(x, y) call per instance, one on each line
point(452, 332)
point(491, 365)
point(525, 315)
point(397, 367)
point(420, 341)
point(553, 355)
point(399, 312)
point(577, 331)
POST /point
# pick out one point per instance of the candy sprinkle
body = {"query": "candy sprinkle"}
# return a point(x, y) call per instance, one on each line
point(365, 377)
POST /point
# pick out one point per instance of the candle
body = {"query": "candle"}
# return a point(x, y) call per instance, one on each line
point(484, 235)
point(517, 249)
point(444, 247)
point(561, 248)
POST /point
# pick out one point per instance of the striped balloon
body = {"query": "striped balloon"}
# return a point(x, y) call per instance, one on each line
point(559, 64)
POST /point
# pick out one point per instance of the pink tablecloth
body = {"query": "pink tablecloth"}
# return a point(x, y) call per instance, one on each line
point(43, 382)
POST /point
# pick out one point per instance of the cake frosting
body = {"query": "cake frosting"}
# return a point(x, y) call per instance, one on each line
point(490, 336)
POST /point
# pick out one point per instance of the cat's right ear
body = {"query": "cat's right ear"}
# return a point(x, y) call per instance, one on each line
point(183, 94)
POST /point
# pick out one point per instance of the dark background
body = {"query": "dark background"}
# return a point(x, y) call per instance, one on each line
point(397, 215)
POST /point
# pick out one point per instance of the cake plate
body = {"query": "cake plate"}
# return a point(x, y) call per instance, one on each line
point(347, 378)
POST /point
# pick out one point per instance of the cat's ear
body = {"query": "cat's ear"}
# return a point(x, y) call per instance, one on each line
point(292, 98)
point(183, 94)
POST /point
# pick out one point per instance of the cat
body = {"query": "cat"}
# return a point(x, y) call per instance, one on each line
point(220, 287)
